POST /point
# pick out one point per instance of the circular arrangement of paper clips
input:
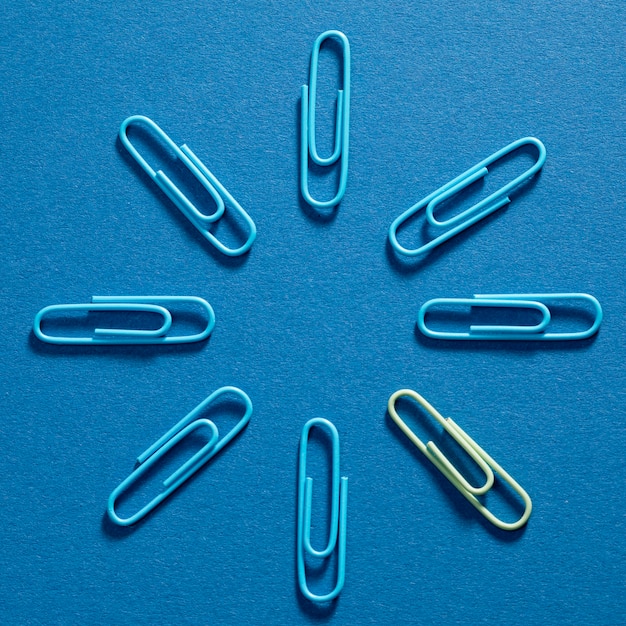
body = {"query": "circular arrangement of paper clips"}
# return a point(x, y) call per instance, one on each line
point(443, 231)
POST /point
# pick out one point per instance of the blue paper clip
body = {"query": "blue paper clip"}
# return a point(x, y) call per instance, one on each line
point(189, 423)
point(438, 459)
point(308, 146)
point(535, 332)
point(470, 216)
point(216, 190)
point(338, 516)
point(121, 336)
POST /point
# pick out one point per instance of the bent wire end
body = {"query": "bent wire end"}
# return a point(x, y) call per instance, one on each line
point(521, 492)
point(472, 448)
point(338, 515)
point(233, 205)
point(432, 451)
point(341, 554)
point(186, 206)
point(542, 297)
point(120, 335)
point(204, 334)
point(190, 417)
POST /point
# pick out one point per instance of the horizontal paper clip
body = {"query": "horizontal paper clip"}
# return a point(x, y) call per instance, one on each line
point(536, 332)
point(121, 336)
point(338, 515)
point(308, 146)
point(470, 216)
point(437, 458)
point(189, 423)
point(204, 176)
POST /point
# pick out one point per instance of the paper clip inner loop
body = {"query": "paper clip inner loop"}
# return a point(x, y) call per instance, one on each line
point(338, 516)
point(122, 336)
point(537, 332)
point(216, 190)
point(308, 145)
point(471, 447)
point(470, 216)
point(148, 458)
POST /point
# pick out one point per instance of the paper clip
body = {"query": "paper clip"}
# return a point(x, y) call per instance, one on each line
point(121, 336)
point(189, 423)
point(216, 190)
point(536, 332)
point(470, 216)
point(308, 146)
point(338, 516)
point(437, 458)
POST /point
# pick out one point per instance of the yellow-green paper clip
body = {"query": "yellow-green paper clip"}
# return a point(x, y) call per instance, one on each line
point(438, 459)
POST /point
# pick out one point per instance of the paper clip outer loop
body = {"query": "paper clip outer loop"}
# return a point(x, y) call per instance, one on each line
point(475, 213)
point(113, 336)
point(168, 440)
point(338, 519)
point(468, 444)
point(162, 180)
point(308, 146)
point(513, 333)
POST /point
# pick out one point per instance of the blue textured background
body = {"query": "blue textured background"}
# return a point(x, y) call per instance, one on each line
point(318, 320)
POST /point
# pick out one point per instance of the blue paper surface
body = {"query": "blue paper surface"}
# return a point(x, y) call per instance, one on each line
point(318, 320)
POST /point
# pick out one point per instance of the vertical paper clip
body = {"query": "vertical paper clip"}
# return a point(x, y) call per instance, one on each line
point(122, 336)
point(470, 216)
point(536, 332)
point(308, 146)
point(189, 423)
point(216, 190)
point(338, 515)
point(436, 457)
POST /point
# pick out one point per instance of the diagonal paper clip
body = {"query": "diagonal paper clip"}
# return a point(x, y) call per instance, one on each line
point(216, 190)
point(151, 456)
point(470, 216)
point(435, 456)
